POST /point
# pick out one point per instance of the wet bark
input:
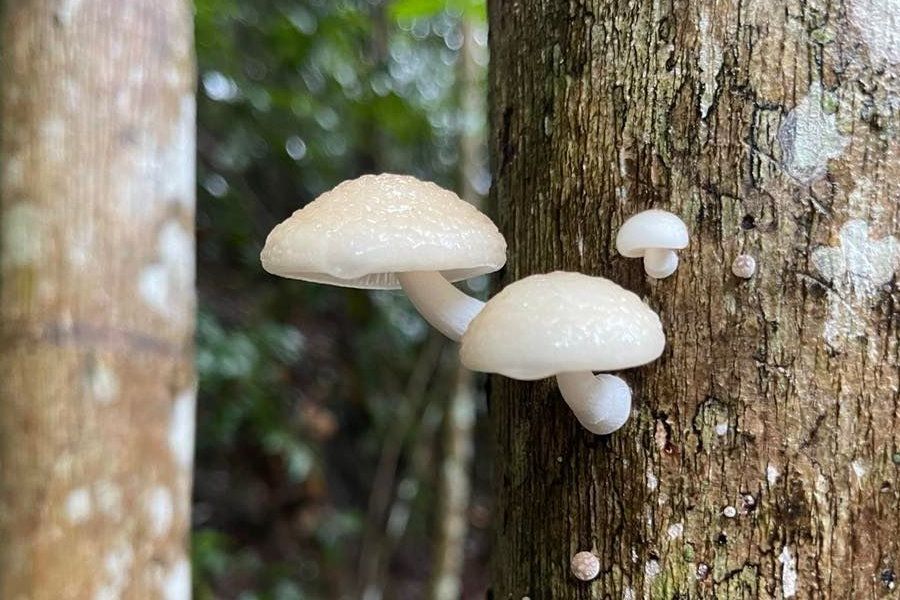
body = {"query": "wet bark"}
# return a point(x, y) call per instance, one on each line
point(97, 301)
point(762, 459)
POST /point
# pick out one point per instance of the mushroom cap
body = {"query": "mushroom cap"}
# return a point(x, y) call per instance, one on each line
point(585, 566)
point(364, 230)
point(651, 229)
point(561, 322)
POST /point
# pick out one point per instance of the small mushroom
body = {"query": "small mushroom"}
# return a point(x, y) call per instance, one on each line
point(744, 266)
point(568, 325)
point(653, 235)
point(585, 566)
point(391, 231)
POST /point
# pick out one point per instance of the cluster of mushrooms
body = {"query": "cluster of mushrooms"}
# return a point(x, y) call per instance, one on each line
point(395, 231)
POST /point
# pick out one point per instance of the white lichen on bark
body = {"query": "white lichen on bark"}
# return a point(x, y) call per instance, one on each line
point(809, 136)
point(878, 22)
point(856, 269)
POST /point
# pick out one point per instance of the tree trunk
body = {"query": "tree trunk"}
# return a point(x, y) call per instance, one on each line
point(97, 303)
point(763, 454)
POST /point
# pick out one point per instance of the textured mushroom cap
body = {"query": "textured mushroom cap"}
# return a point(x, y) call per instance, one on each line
point(585, 566)
point(364, 230)
point(651, 229)
point(562, 322)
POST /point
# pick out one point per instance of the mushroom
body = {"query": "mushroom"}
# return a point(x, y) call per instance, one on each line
point(387, 232)
point(585, 566)
point(744, 266)
point(654, 235)
point(568, 325)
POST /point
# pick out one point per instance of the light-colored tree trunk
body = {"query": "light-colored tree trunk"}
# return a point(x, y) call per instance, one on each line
point(97, 302)
point(455, 481)
point(763, 456)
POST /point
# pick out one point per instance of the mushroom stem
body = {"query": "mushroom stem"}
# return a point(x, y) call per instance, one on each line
point(439, 302)
point(660, 262)
point(601, 403)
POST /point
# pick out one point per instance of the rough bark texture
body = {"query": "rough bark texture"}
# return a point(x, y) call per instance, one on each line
point(97, 301)
point(763, 454)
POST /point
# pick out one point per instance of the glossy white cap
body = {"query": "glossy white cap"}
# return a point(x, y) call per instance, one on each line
point(365, 230)
point(562, 322)
point(651, 229)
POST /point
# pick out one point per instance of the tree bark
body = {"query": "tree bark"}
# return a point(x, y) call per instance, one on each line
point(97, 303)
point(763, 453)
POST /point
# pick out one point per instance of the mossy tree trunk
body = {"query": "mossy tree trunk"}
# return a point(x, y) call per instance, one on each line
point(97, 301)
point(763, 455)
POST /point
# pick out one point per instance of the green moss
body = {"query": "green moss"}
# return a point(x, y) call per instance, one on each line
point(688, 553)
point(822, 36)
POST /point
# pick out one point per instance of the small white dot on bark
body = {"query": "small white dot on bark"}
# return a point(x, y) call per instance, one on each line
point(163, 285)
point(102, 383)
point(772, 474)
point(788, 573)
point(675, 530)
point(176, 582)
point(117, 563)
point(78, 506)
point(181, 428)
point(160, 510)
point(730, 512)
point(652, 481)
point(652, 569)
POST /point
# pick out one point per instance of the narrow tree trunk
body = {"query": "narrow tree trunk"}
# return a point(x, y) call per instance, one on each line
point(763, 454)
point(97, 300)
point(455, 481)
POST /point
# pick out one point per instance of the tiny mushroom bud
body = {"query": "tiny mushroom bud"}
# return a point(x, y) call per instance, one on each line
point(568, 325)
point(390, 231)
point(744, 266)
point(653, 235)
point(585, 566)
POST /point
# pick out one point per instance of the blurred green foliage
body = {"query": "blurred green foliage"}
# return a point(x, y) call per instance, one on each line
point(302, 385)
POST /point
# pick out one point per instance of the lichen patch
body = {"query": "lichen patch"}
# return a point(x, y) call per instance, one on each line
point(675, 531)
point(176, 581)
point(163, 285)
point(772, 474)
point(101, 382)
point(809, 137)
point(181, 428)
point(23, 227)
point(710, 58)
point(160, 510)
point(857, 268)
point(117, 564)
point(788, 573)
point(878, 23)
point(78, 506)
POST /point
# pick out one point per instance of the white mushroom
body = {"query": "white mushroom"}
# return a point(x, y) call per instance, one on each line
point(585, 566)
point(653, 235)
point(744, 266)
point(390, 231)
point(568, 325)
